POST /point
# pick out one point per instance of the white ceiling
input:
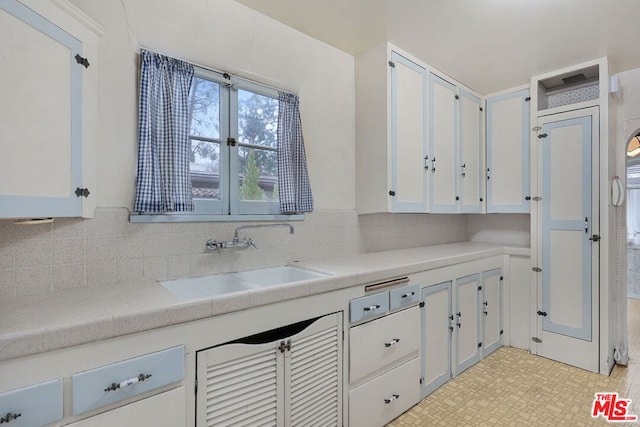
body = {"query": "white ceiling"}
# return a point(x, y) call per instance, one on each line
point(489, 45)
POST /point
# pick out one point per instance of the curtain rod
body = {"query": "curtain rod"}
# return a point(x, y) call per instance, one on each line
point(208, 68)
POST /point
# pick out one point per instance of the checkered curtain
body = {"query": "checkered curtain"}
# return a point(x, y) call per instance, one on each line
point(293, 178)
point(163, 182)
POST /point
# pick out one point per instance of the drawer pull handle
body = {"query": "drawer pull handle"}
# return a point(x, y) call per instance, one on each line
point(392, 342)
point(391, 399)
point(127, 383)
point(9, 417)
point(372, 308)
point(408, 294)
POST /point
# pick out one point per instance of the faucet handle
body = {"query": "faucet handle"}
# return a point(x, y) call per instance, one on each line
point(252, 243)
point(213, 245)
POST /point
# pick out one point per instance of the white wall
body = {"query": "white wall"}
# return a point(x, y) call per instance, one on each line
point(227, 36)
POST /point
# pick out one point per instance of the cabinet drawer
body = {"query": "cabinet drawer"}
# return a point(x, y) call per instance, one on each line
point(35, 405)
point(383, 341)
point(368, 307)
point(113, 383)
point(162, 410)
point(382, 399)
point(404, 296)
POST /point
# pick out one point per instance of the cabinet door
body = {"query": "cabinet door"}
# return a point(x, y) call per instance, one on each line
point(41, 112)
point(443, 113)
point(467, 329)
point(508, 153)
point(163, 410)
point(240, 384)
point(313, 375)
point(491, 311)
point(469, 169)
point(436, 336)
point(408, 136)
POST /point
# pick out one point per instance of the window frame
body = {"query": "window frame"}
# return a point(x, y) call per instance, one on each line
point(229, 207)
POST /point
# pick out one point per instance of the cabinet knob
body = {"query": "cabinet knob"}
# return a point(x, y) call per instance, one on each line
point(9, 417)
point(372, 307)
point(392, 193)
point(392, 342)
point(392, 398)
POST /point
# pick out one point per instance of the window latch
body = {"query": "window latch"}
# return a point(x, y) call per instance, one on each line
point(231, 142)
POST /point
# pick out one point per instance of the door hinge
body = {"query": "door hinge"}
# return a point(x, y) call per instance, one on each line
point(536, 269)
point(481, 109)
point(536, 129)
point(479, 344)
point(422, 304)
point(231, 142)
point(527, 99)
point(542, 313)
point(195, 387)
point(392, 64)
point(479, 288)
point(501, 331)
point(82, 61)
point(595, 238)
point(82, 192)
point(536, 339)
point(421, 380)
point(501, 277)
point(542, 135)
point(457, 97)
point(392, 193)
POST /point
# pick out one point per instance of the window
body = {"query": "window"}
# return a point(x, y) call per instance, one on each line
point(210, 146)
point(234, 146)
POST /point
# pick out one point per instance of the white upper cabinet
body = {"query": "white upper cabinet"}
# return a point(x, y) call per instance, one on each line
point(48, 110)
point(409, 159)
point(391, 132)
point(442, 136)
point(419, 144)
point(471, 160)
point(508, 152)
point(455, 145)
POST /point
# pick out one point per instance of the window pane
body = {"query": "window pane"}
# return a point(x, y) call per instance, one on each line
point(204, 105)
point(257, 119)
point(205, 169)
point(258, 174)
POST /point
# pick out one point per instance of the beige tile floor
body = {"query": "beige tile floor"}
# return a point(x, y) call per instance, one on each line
point(514, 388)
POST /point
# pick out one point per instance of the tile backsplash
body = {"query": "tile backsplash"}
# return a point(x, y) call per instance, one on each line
point(74, 252)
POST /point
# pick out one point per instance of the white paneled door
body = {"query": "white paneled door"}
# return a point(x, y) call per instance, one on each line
point(567, 242)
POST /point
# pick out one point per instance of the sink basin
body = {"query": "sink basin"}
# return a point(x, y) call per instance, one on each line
point(206, 287)
point(278, 275)
point(222, 284)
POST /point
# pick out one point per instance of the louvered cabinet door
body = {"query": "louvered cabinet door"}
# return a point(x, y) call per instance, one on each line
point(313, 375)
point(239, 385)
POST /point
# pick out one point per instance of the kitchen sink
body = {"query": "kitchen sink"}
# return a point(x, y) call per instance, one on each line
point(223, 284)
point(278, 275)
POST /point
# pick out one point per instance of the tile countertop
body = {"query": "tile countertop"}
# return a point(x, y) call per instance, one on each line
point(39, 323)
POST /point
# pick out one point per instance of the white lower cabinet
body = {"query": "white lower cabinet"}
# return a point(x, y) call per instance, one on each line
point(162, 410)
point(384, 359)
point(461, 324)
point(467, 331)
point(492, 331)
point(290, 376)
point(384, 398)
point(437, 327)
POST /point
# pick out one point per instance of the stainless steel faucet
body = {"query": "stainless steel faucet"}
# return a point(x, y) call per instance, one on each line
point(245, 242)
